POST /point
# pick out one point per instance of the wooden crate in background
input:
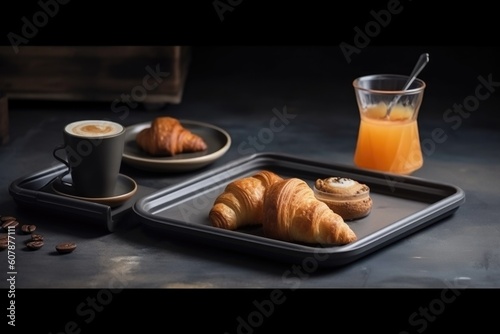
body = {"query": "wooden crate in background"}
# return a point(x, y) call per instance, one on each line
point(148, 74)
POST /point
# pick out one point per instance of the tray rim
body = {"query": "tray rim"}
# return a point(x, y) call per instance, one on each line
point(337, 255)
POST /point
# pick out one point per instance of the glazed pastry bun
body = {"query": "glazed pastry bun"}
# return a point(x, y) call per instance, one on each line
point(346, 197)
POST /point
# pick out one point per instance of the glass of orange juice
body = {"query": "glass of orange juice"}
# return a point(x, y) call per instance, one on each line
point(388, 140)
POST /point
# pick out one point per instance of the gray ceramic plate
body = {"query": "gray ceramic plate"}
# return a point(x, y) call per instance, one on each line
point(218, 142)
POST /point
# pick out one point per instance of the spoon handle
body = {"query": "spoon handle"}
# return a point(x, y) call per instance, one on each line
point(419, 66)
point(422, 61)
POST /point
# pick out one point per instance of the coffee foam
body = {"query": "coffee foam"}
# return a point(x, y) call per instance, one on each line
point(95, 128)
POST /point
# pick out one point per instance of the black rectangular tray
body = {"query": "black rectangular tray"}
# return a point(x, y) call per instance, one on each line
point(402, 205)
point(35, 191)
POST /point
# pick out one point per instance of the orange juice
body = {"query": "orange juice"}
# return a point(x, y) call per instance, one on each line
point(388, 144)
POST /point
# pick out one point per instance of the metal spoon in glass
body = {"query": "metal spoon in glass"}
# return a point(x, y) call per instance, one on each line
point(419, 66)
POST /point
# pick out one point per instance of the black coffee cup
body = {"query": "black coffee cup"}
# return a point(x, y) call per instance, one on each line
point(94, 151)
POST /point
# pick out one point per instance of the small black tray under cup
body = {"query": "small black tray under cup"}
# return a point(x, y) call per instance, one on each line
point(35, 190)
point(402, 205)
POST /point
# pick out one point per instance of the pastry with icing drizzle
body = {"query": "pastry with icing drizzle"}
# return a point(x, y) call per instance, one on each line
point(346, 197)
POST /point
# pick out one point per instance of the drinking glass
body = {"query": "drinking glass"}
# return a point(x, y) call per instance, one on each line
point(388, 136)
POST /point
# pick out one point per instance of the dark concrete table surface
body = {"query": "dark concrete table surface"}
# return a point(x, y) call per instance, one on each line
point(237, 89)
point(241, 89)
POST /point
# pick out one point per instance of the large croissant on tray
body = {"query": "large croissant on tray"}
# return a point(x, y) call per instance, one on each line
point(292, 213)
point(241, 203)
point(167, 137)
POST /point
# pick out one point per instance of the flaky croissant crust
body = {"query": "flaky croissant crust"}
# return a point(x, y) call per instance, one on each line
point(241, 202)
point(286, 208)
point(167, 137)
point(292, 213)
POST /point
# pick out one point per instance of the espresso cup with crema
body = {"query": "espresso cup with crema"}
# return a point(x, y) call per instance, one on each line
point(94, 151)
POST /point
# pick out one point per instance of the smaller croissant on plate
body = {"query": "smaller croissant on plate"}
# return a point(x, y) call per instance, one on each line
point(167, 137)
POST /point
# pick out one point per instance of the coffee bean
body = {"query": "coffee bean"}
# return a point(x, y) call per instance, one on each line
point(7, 218)
point(65, 247)
point(10, 224)
point(34, 245)
point(36, 237)
point(28, 228)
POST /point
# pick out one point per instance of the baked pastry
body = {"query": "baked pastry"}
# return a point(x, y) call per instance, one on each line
point(345, 196)
point(292, 213)
point(167, 137)
point(241, 202)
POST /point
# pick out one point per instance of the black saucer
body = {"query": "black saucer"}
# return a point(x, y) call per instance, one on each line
point(124, 190)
